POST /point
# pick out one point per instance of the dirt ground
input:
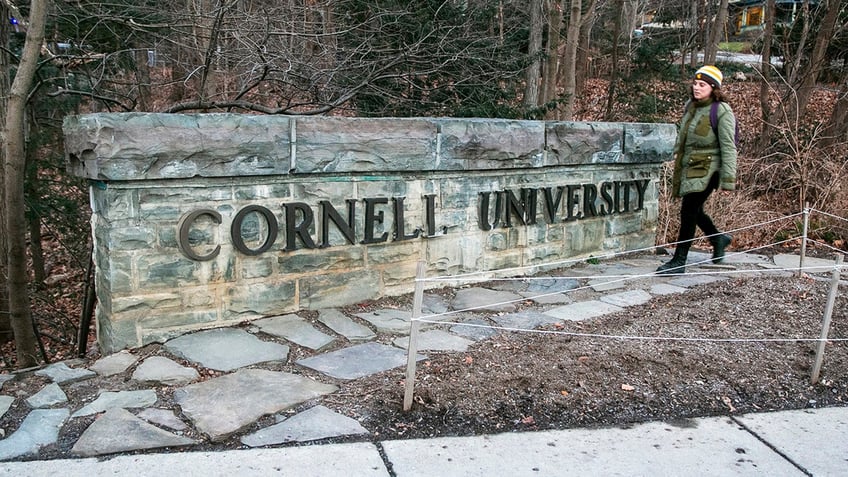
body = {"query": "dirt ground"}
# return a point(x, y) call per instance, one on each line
point(533, 381)
point(521, 381)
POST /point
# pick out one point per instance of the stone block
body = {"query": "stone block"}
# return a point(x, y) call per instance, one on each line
point(328, 144)
point(261, 298)
point(113, 333)
point(573, 143)
point(327, 291)
point(473, 144)
point(133, 146)
point(342, 258)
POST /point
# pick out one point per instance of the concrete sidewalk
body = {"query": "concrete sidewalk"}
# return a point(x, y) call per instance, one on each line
point(806, 442)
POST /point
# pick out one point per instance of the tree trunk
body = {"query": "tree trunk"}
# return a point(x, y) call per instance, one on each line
point(583, 48)
point(716, 31)
point(837, 128)
point(31, 190)
point(19, 303)
point(807, 82)
point(570, 59)
point(795, 64)
point(695, 32)
point(5, 323)
point(533, 75)
point(552, 61)
point(765, 84)
point(614, 73)
point(142, 78)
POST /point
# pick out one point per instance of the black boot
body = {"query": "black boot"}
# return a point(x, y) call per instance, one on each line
point(719, 243)
point(677, 264)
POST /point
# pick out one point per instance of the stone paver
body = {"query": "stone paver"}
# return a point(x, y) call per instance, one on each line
point(49, 396)
point(547, 298)
point(811, 264)
point(113, 364)
point(343, 325)
point(689, 280)
point(482, 299)
point(61, 373)
point(118, 430)
point(627, 298)
point(436, 340)
point(389, 320)
point(159, 369)
point(607, 284)
point(315, 423)
point(475, 333)
point(295, 329)
point(5, 404)
point(4, 378)
point(357, 361)
point(162, 417)
point(525, 320)
point(221, 406)
point(666, 289)
point(40, 428)
point(123, 399)
point(226, 349)
point(583, 310)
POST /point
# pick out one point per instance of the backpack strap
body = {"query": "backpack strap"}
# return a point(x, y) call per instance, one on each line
point(714, 117)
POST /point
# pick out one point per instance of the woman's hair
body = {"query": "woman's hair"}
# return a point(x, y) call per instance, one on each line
point(717, 95)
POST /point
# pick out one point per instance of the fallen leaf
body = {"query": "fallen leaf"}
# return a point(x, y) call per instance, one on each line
point(528, 420)
point(564, 392)
point(469, 360)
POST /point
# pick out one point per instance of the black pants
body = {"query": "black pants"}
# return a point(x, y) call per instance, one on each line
point(692, 213)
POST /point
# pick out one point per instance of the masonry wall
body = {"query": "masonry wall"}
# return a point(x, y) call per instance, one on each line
point(208, 220)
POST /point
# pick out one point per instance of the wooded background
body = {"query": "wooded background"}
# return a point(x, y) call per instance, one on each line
point(598, 60)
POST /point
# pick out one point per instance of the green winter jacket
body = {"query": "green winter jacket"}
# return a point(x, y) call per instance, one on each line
point(699, 153)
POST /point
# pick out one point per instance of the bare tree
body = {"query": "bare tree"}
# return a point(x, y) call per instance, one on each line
point(15, 163)
point(807, 82)
point(766, 72)
point(575, 21)
point(533, 76)
point(716, 29)
point(5, 323)
point(552, 57)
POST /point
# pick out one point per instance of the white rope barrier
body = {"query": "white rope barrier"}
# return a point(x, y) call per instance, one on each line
point(638, 338)
point(830, 215)
point(417, 319)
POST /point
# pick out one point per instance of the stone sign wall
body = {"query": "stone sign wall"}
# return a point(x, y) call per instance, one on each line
point(209, 220)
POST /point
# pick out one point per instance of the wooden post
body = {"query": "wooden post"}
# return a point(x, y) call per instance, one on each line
point(828, 311)
point(804, 240)
point(412, 349)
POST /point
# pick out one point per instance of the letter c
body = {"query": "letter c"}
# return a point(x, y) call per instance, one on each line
point(185, 225)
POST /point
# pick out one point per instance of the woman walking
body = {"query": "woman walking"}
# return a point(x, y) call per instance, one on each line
point(704, 160)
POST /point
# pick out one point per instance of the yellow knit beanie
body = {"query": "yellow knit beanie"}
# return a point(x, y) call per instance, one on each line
point(710, 74)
